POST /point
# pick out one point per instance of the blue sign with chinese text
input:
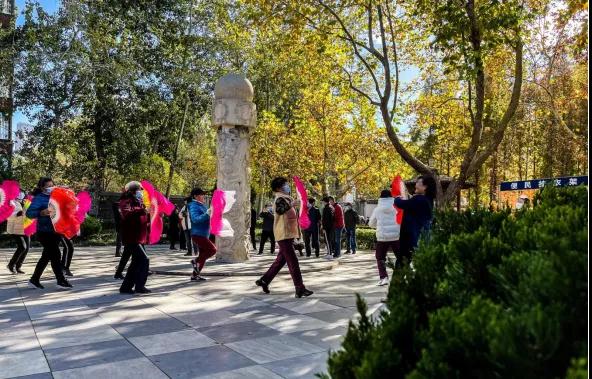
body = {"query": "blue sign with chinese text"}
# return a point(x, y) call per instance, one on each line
point(568, 181)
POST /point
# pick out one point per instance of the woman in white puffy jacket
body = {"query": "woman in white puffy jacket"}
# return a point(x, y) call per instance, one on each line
point(383, 218)
point(15, 226)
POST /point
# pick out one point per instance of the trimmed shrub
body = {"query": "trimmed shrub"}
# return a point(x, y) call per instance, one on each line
point(90, 227)
point(492, 295)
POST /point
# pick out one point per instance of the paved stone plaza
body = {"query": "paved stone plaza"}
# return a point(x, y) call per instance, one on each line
point(222, 328)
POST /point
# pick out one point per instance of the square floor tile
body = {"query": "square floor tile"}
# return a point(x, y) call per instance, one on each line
point(21, 364)
point(307, 306)
point(238, 331)
point(133, 368)
point(144, 328)
point(90, 354)
point(306, 366)
point(200, 362)
point(55, 333)
point(203, 319)
point(171, 342)
point(251, 372)
point(14, 316)
point(292, 323)
point(330, 338)
point(269, 349)
point(336, 317)
point(20, 337)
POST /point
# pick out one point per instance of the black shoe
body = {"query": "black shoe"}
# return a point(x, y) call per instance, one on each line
point(64, 284)
point(143, 290)
point(353, 252)
point(127, 291)
point(348, 252)
point(260, 253)
point(303, 293)
point(197, 278)
point(263, 285)
point(19, 271)
point(188, 254)
point(118, 275)
point(118, 255)
point(67, 272)
point(11, 269)
point(35, 284)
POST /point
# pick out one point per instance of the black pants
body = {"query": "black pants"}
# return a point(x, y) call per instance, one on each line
point(253, 242)
point(23, 243)
point(173, 236)
point(182, 240)
point(267, 235)
point(125, 256)
point(189, 242)
point(118, 244)
point(137, 273)
point(311, 239)
point(51, 253)
point(67, 252)
point(329, 241)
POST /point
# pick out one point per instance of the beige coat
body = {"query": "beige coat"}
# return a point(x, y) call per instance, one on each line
point(15, 224)
point(285, 226)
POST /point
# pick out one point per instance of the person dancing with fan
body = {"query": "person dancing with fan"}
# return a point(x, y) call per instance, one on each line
point(134, 234)
point(46, 235)
point(15, 226)
point(200, 232)
point(285, 230)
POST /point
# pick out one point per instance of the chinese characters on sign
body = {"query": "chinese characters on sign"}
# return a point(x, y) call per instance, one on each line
point(540, 183)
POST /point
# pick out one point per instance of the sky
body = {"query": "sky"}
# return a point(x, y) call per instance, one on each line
point(49, 6)
point(52, 5)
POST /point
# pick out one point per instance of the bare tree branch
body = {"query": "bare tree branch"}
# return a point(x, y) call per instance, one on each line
point(354, 45)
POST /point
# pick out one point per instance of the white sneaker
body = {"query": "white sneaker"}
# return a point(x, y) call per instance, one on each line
point(383, 282)
point(329, 257)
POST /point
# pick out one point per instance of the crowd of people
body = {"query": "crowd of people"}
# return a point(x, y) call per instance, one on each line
point(191, 227)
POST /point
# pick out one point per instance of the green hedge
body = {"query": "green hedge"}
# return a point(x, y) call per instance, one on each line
point(493, 295)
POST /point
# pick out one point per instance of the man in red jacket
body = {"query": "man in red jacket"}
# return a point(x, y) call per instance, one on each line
point(134, 234)
point(338, 225)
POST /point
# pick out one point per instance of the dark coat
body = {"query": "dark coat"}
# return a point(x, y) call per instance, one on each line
point(116, 214)
point(328, 217)
point(314, 215)
point(253, 218)
point(134, 220)
point(351, 218)
point(417, 218)
point(267, 221)
point(40, 202)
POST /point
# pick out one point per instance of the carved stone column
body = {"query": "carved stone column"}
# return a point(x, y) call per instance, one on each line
point(234, 115)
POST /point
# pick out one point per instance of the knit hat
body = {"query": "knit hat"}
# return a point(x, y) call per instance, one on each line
point(133, 186)
point(385, 193)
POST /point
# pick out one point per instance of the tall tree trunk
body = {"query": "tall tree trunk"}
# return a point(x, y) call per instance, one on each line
point(176, 151)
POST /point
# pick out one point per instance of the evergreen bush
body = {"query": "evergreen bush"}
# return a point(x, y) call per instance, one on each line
point(492, 295)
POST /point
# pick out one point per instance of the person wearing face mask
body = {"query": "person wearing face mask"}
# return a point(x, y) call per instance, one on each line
point(351, 219)
point(14, 226)
point(200, 232)
point(135, 221)
point(46, 235)
point(267, 231)
point(285, 229)
point(311, 235)
point(338, 226)
point(417, 217)
point(383, 218)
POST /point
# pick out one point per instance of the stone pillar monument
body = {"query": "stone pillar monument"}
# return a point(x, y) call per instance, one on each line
point(234, 116)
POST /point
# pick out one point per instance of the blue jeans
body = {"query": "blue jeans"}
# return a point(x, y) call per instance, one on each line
point(337, 246)
point(350, 239)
